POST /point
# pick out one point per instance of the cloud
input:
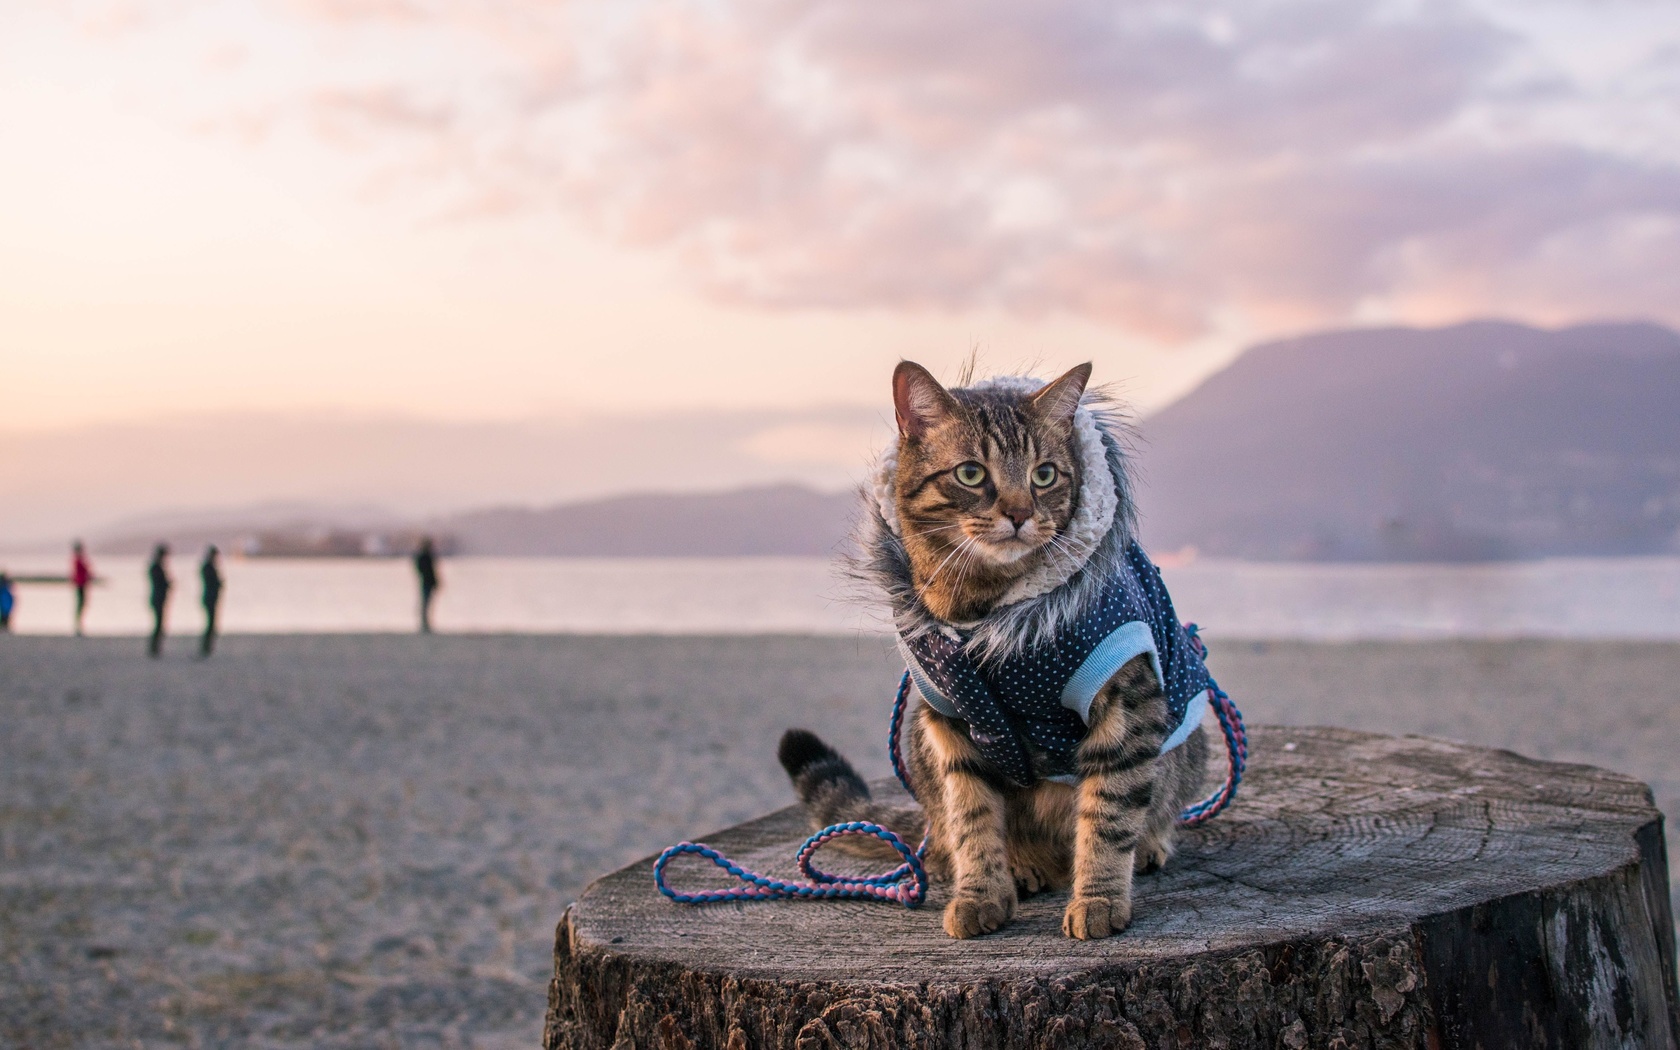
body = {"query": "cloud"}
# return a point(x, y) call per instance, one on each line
point(351, 12)
point(347, 116)
point(1164, 166)
point(115, 20)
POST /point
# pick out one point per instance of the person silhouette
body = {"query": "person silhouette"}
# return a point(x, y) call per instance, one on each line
point(212, 577)
point(425, 566)
point(7, 600)
point(81, 577)
point(157, 574)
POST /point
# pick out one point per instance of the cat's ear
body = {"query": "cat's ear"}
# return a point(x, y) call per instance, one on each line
point(1058, 402)
point(919, 402)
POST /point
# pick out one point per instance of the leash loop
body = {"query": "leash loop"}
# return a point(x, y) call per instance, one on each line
point(906, 884)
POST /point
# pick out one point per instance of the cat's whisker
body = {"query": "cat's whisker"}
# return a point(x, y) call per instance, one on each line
point(962, 569)
point(1063, 545)
point(967, 542)
point(969, 552)
point(925, 525)
point(966, 554)
point(942, 528)
point(970, 560)
point(1059, 546)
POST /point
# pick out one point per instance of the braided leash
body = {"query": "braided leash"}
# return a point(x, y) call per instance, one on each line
point(1236, 745)
point(907, 883)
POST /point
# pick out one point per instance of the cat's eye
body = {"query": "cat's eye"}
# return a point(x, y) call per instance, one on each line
point(1044, 476)
point(970, 474)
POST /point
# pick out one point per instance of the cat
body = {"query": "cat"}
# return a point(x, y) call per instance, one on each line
point(999, 528)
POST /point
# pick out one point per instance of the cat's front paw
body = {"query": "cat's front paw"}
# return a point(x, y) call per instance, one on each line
point(1089, 918)
point(971, 916)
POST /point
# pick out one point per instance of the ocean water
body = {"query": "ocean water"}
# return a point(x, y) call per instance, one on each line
point(1568, 598)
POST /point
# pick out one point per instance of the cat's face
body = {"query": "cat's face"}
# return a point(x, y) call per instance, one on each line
point(986, 480)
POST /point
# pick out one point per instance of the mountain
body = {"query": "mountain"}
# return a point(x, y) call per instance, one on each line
point(785, 520)
point(1480, 441)
point(773, 520)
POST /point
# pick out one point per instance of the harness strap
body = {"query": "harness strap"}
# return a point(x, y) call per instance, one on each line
point(907, 884)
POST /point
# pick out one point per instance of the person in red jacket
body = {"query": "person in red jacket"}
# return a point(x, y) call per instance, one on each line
point(81, 577)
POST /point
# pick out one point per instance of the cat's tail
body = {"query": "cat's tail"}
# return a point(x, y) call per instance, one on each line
point(833, 793)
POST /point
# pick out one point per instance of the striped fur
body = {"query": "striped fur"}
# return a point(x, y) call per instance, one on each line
point(962, 545)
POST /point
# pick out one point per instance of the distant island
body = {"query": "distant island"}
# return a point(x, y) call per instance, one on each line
point(319, 542)
point(1481, 441)
point(772, 520)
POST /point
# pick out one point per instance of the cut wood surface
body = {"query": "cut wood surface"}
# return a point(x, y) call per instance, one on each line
point(1364, 890)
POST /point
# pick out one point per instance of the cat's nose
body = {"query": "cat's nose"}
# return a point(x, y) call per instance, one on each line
point(1019, 515)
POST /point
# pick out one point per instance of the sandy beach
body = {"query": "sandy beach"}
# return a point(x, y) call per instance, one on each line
point(366, 840)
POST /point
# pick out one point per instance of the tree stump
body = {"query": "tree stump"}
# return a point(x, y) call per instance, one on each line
point(1364, 891)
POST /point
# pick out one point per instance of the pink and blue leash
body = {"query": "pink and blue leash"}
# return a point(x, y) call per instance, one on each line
point(1236, 745)
point(907, 883)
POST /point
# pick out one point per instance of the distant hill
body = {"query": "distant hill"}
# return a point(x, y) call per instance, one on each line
point(772, 520)
point(1481, 441)
point(787, 520)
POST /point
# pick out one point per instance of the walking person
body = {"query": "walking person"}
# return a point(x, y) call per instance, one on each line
point(425, 565)
point(7, 600)
point(81, 577)
point(157, 573)
point(211, 574)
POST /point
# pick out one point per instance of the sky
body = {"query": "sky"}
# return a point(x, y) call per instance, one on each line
point(483, 211)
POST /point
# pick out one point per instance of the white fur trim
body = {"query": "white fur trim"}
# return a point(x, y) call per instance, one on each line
point(1099, 497)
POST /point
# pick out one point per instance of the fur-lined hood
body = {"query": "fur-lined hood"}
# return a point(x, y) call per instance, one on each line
point(1068, 583)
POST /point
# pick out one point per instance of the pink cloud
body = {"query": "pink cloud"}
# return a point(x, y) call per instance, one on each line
point(119, 18)
point(346, 115)
point(348, 12)
point(1156, 165)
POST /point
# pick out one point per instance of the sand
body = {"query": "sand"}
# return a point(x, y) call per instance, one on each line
point(367, 840)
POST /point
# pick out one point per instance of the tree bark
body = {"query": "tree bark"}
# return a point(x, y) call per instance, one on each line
point(1363, 891)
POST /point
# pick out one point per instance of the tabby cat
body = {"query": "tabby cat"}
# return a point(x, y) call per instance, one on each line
point(996, 526)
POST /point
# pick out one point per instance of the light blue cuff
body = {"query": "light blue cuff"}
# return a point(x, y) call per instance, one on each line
point(1193, 712)
point(930, 696)
point(1123, 643)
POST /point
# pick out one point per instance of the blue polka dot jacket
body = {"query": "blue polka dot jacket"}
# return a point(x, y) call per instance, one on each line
point(1042, 695)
